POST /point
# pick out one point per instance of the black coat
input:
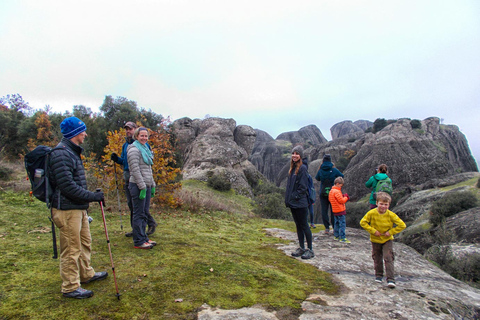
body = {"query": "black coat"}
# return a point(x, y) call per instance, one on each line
point(296, 194)
point(67, 176)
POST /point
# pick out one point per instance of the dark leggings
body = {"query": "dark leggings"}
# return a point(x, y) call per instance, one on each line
point(300, 216)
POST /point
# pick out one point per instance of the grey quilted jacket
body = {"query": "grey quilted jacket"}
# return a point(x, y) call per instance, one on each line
point(140, 172)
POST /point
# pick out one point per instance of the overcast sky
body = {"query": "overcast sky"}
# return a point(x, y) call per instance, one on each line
point(274, 65)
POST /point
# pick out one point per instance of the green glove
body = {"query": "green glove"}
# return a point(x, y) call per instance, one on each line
point(153, 192)
point(143, 194)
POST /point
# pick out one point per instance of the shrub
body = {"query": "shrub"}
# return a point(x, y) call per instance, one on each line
point(5, 173)
point(416, 124)
point(355, 213)
point(451, 204)
point(270, 202)
point(219, 182)
point(379, 124)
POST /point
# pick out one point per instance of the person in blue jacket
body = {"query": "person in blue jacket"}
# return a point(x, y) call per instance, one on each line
point(380, 174)
point(122, 160)
point(296, 195)
point(327, 173)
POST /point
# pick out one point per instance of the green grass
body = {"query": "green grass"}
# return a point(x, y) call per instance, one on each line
point(222, 259)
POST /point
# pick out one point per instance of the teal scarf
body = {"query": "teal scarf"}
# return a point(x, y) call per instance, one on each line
point(147, 154)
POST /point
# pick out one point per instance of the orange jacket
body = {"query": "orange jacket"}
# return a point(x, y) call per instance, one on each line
point(337, 200)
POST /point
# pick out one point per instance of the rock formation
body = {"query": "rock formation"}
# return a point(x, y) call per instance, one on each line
point(216, 146)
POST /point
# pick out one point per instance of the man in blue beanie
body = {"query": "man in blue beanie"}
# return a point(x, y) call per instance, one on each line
point(70, 202)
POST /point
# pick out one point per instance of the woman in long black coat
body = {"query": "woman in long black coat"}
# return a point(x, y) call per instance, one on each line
point(296, 199)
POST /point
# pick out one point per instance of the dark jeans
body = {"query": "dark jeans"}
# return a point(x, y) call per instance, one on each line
point(141, 208)
point(300, 216)
point(326, 208)
point(310, 213)
point(339, 227)
point(381, 252)
point(150, 220)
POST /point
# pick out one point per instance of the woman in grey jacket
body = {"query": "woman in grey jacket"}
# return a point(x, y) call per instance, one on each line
point(141, 186)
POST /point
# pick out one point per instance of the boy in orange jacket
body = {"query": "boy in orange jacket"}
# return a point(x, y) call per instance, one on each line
point(338, 200)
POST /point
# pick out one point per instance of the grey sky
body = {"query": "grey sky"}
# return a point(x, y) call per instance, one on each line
point(274, 65)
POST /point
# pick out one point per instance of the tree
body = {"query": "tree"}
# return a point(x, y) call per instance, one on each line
point(379, 124)
point(14, 110)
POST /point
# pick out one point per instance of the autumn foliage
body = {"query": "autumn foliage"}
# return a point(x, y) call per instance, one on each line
point(108, 173)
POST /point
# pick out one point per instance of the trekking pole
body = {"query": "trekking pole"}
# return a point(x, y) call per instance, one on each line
point(118, 195)
point(109, 249)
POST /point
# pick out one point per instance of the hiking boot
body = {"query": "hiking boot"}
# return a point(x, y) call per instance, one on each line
point(344, 240)
point(129, 234)
point(308, 254)
point(298, 252)
point(151, 229)
point(391, 284)
point(97, 276)
point(80, 293)
point(145, 245)
point(379, 279)
point(153, 243)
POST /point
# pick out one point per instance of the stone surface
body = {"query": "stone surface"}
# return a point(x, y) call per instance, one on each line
point(423, 290)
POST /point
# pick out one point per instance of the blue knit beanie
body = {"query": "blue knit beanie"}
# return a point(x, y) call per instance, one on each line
point(71, 127)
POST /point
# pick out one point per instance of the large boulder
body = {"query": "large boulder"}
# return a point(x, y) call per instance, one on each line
point(210, 148)
point(346, 129)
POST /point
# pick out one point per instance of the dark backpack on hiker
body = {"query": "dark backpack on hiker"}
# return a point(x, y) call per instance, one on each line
point(37, 166)
point(326, 186)
point(384, 185)
point(311, 191)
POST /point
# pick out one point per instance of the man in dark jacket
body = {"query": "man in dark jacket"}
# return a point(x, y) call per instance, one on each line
point(70, 202)
point(122, 160)
point(326, 175)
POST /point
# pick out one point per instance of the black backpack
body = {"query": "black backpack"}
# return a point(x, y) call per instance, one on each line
point(37, 166)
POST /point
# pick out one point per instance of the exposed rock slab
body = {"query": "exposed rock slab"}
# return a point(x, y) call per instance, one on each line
point(423, 290)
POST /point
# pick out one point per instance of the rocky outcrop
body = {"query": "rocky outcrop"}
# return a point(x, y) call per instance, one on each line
point(216, 146)
point(423, 290)
point(346, 129)
point(363, 124)
point(306, 136)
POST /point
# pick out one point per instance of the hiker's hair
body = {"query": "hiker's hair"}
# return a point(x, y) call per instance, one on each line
point(339, 180)
point(137, 132)
point(382, 168)
point(384, 197)
point(297, 166)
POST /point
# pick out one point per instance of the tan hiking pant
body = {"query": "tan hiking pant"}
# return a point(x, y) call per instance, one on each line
point(75, 247)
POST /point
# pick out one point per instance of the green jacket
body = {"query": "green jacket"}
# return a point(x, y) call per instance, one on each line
point(372, 183)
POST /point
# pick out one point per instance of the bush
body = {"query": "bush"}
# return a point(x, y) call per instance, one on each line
point(416, 124)
point(355, 213)
point(465, 267)
point(219, 182)
point(5, 173)
point(270, 202)
point(379, 124)
point(451, 204)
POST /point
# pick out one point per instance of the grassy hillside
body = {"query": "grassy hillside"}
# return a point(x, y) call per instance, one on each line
point(215, 257)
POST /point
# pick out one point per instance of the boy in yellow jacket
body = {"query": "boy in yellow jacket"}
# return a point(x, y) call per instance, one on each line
point(379, 223)
point(339, 210)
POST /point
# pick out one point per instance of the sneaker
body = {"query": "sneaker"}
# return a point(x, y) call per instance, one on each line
point(298, 252)
point(97, 276)
point(312, 226)
point(151, 229)
point(80, 293)
point(145, 245)
point(391, 284)
point(379, 279)
point(327, 232)
point(336, 238)
point(308, 254)
point(129, 234)
point(153, 243)
point(344, 240)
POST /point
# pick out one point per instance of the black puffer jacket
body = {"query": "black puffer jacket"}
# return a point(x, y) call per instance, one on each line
point(296, 192)
point(67, 175)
